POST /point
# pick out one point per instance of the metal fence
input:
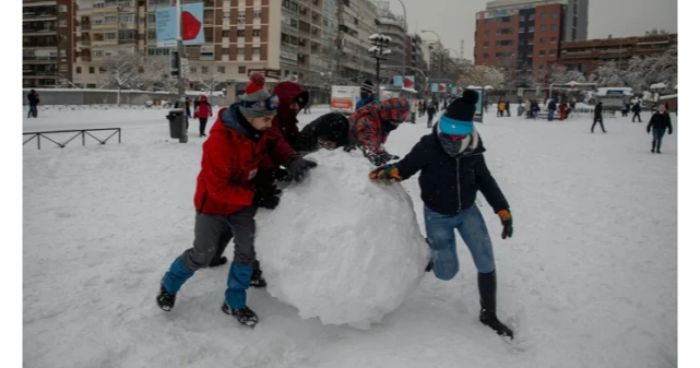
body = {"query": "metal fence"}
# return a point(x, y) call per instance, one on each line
point(76, 133)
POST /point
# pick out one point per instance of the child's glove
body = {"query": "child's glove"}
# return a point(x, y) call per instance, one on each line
point(507, 221)
point(267, 198)
point(386, 173)
point(297, 168)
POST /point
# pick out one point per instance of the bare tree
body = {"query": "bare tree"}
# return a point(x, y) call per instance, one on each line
point(156, 75)
point(123, 71)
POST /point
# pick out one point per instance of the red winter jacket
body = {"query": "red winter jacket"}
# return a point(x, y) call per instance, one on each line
point(230, 161)
point(366, 123)
point(203, 109)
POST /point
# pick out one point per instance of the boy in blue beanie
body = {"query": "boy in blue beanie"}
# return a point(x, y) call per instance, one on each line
point(452, 169)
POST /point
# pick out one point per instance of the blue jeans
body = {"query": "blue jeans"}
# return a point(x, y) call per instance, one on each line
point(470, 224)
point(658, 136)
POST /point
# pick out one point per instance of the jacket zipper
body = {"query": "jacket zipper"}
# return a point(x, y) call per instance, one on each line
point(459, 189)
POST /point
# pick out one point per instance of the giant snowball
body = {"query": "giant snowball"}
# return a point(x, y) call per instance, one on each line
point(340, 247)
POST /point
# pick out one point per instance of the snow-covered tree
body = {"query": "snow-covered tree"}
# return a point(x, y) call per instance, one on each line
point(608, 75)
point(123, 71)
point(482, 75)
point(571, 75)
point(157, 76)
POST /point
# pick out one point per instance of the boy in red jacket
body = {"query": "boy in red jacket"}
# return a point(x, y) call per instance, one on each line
point(226, 199)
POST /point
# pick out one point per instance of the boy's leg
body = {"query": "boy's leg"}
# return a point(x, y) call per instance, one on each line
point(206, 236)
point(441, 238)
point(243, 228)
point(476, 235)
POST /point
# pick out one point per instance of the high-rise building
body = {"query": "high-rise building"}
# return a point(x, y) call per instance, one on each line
point(357, 20)
point(47, 42)
point(393, 26)
point(523, 36)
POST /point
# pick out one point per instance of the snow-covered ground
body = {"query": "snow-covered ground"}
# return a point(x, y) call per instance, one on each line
point(588, 280)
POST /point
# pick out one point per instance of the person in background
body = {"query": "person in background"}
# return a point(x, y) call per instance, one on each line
point(188, 105)
point(431, 113)
point(507, 108)
point(598, 117)
point(33, 99)
point(202, 111)
point(659, 122)
point(454, 149)
point(636, 110)
point(551, 108)
point(225, 201)
point(367, 95)
point(328, 131)
point(562, 110)
point(534, 108)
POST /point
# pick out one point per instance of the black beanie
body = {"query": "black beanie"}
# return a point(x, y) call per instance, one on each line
point(367, 87)
point(461, 109)
point(333, 127)
point(471, 96)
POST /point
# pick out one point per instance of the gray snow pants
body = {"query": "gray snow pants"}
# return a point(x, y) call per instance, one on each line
point(209, 230)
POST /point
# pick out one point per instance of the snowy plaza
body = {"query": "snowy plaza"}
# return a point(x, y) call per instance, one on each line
point(588, 279)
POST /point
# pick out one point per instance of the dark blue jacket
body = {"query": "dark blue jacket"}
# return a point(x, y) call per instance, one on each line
point(362, 102)
point(449, 184)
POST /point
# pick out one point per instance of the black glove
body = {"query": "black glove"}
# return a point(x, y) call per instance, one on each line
point(280, 174)
point(268, 197)
point(381, 158)
point(297, 168)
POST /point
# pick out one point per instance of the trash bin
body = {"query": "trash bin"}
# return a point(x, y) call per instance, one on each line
point(178, 124)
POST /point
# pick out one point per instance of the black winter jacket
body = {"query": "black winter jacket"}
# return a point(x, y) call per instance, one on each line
point(660, 121)
point(449, 184)
point(598, 112)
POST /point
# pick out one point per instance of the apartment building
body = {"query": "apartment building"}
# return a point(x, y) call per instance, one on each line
point(357, 20)
point(523, 36)
point(47, 42)
point(586, 56)
point(104, 28)
point(393, 26)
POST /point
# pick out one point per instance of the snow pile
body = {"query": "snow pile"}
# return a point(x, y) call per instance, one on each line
point(340, 247)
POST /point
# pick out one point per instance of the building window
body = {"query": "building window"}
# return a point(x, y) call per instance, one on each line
point(221, 69)
point(240, 33)
point(224, 33)
point(553, 27)
point(205, 69)
point(256, 33)
point(542, 52)
point(224, 51)
point(78, 70)
point(241, 69)
point(62, 8)
point(505, 19)
point(92, 70)
point(193, 69)
point(257, 13)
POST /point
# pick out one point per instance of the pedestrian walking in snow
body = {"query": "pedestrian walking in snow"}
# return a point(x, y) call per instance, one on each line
point(598, 117)
point(370, 127)
point(500, 108)
point(226, 200)
point(307, 108)
point(188, 106)
point(534, 109)
point(562, 110)
point(33, 99)
point(452, 170)
point(202, 111)
point(636, 110)
point(658, 124)
point(551, 108)
point(431, 113)
point(507, 108)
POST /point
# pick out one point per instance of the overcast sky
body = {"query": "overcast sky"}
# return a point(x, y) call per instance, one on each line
point(454, 20)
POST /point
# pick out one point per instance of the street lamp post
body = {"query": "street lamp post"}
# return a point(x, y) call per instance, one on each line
point(379, 51)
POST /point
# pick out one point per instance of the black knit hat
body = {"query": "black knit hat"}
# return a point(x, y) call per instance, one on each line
point(461, 109)
point(471, 96)
point(332, 127)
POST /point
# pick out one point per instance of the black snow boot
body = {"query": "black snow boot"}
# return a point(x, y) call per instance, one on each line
point(257, 280)
point(244, 315)
point(165, 300)
point(487, 316)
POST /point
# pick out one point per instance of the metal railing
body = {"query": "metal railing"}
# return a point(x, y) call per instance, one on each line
point(78, 133)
